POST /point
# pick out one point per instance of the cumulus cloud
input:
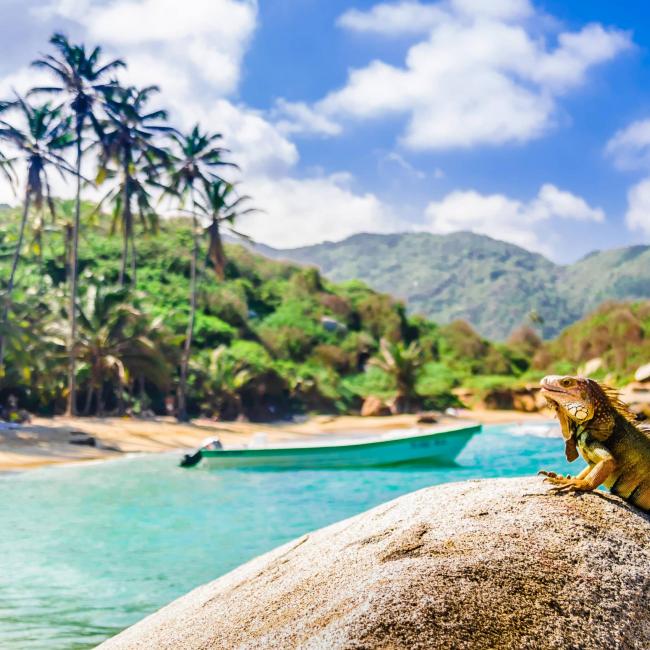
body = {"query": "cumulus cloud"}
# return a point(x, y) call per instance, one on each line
point(307, 211)
point(502, 217)
point(195, 54)
point(500, 9)
point(638, 208)
point(483, 76)
point(298, 117)
point(393, 19)
point(203, 39)
point(256, 144)
point(630, 147)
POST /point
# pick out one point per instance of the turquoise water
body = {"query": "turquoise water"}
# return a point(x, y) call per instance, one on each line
point(87, 550)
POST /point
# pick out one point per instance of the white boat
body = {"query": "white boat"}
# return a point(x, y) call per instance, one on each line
point(438, 446)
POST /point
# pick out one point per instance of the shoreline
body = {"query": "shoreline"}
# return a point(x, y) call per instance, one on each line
point(45, 441)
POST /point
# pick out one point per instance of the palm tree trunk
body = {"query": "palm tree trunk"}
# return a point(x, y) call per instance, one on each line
point(67, 249)
point(89, 399)
point(72, 361)
point(126, 221)
point(185, 360)
point(12, 274)
point(134, 261)
point(125, 255)
point(100, 400)
point(216, 253)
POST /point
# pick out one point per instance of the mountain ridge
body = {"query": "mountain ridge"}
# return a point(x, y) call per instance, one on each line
point(494, 285)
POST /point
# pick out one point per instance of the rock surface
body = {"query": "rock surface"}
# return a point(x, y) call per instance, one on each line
point(482, 564)
point(374, 407)
point(643, 373)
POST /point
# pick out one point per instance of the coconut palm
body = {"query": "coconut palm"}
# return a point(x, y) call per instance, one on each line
point(6, 163)
point(403, 364)
point(193, 166)
point(130, 155)
point(219, 202)
point(80, 76)
point(40, 145)
point(116, 342)
point(223, 377)
point(29, 360)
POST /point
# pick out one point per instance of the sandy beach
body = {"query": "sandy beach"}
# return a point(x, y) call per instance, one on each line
point(46, 441)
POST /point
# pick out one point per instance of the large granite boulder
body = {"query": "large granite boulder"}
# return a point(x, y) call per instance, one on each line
point(483, 564)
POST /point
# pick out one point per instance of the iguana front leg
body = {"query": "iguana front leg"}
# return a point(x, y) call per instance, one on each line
point(565, 482)
point(552, 475)
point(591, 477)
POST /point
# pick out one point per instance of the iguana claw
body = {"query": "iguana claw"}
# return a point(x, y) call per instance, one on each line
point(566, 483)
point(552, 474)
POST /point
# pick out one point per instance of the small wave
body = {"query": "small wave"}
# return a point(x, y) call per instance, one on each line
point(547, 430)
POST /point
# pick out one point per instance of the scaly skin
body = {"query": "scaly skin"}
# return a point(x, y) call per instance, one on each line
point(597, 424)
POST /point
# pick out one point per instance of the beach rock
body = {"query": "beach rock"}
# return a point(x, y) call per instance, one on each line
point(481, 564)
point(374, 407)
point(637, 396)
point(643, 373)
point(525, 398)
point(428, 418)
point(591, 366)
point(82, 438)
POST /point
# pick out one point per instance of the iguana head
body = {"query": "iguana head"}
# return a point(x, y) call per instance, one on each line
point(582, 402)
point(575, 396)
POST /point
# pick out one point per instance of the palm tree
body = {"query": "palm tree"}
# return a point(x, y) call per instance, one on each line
point(116, 343)
point(6, 163)
point(29, 360)
point(220, 203)
point(129, 153)
point(193, 164)
point(81, 79)
point(403, 364)
point(41, 144)
point(223, 378)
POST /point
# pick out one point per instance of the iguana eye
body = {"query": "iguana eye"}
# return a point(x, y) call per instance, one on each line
point(566, 382)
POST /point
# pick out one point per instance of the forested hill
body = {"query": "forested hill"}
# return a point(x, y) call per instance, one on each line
point(270, 338)
point(493, 285)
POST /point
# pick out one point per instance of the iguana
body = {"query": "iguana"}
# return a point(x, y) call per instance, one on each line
point(598, 424)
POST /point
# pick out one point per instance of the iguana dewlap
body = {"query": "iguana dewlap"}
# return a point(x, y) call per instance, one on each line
point(597, 424)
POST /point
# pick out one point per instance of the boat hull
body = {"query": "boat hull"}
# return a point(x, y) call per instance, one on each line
point(440, 447)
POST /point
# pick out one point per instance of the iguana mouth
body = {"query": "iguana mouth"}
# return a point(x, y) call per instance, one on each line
point(552, 389)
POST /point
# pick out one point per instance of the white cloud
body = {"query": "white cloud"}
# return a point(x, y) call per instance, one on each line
point(299, 212)
point(397, 160)
point(256, 145)
point(630, 147)
point(411, 18)
point(22, 80)
point(202, 39)
point(298, 117)
point(194, 52)
point(481, 77)
point(502, 217)
point(553, 202)
point(393, 19)
point(66, 8)
point(134, 22)
point(500, 9)
point(638, 207)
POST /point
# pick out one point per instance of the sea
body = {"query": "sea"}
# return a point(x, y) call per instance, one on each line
point(89, 549)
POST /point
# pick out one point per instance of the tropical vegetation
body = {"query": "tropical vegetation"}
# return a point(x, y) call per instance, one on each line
point(493, 285)
point(126, 299)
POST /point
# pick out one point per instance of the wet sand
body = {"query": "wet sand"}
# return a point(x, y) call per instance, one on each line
point(45, 441)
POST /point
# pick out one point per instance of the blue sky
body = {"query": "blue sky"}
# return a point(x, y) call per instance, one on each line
point(525, 121)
